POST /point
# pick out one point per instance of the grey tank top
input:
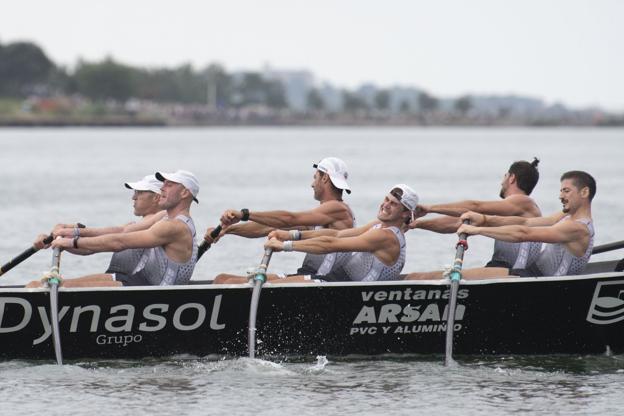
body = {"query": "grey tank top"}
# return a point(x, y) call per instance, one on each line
point(323, 264)
point(125, 261)
point(517, 255)
point(159, 270)
point(366, 267)
point(556, 260)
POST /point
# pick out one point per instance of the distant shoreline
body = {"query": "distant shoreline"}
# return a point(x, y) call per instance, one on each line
point(121, 121)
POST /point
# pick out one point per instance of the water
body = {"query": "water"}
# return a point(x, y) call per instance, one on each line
point(69, 175)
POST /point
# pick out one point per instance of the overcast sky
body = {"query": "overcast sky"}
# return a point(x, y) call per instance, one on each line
point(559, 50)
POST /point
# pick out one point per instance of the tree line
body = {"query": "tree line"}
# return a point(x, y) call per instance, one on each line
point(26, 70)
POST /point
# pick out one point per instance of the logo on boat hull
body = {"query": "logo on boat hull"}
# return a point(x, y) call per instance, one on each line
point(406, 311)
point(607, 306)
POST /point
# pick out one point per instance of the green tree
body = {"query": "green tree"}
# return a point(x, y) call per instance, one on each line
point(382, 100)
point(252, 89)
point(463, 104)
point(314, 100)
point(219, 86)
point(106, 79)
point(405, 107)
point(23, 65)
point(352, 102)
point(427, 102)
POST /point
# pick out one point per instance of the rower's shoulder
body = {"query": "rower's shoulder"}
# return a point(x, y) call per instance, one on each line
point(530, 207)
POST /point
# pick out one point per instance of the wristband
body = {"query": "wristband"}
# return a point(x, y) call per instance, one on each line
point(245, 213)
point(288, 245)
point(295, 235)
point(76, 238)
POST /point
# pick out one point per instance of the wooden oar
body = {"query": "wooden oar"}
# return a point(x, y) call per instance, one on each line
point(259, 279)
point(455, 277)
point(22, 256)
point(608, 247)
point(205, 245)
point(53, 282)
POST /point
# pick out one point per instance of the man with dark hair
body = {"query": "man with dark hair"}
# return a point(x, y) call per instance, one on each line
point(328, 183)
point(516, 186)
point(568, 236)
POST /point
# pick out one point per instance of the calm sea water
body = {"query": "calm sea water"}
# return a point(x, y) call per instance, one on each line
point(67, 175)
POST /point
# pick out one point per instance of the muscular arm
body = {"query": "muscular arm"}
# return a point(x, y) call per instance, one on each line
point(328, 232)
point(571, 233)
point(324, 215)
point(380, 242)
point(478, 219)
point(444, 224)
point(160, 234)
point(249, 230)
point(517, 205)
point(144, 224)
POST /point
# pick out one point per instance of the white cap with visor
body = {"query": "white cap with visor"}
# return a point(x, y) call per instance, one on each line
point(148, 183)
point(184, 178)
point(337, 171)
point(406, 196)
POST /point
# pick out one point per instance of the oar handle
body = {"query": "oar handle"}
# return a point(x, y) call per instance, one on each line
point(205, 245)
point(23, 256)
point(461, 247)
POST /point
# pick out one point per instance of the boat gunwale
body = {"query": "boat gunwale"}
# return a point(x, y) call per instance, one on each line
point(270, 285)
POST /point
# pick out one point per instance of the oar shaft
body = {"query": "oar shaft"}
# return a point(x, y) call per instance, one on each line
point(455, 277)
point(608, 247)
point(259, 280)
point(22, 256)
point(54, 317)
point(205, 245)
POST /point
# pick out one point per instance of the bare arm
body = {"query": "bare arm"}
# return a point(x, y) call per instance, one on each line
point(144, 224)
point(349, 232)
point(516, 205)
point(248, 230)
point(381, 243)
point(160, 234)
point(284, 235)
point(323, 215)
point(444, 224)
point(478, 219)
point(571, 233)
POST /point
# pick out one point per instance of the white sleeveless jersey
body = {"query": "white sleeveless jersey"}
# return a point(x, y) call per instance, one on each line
point(323, 264)
point(366, 267)
point(556, 260)
point(517, 255)
point(158, 269)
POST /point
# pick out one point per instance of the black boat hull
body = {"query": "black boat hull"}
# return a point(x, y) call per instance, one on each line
point(574, 315)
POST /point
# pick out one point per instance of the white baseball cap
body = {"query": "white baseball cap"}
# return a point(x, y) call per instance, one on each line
point(148, 183)
point(184, 178)
point(337, 171)
point(406, 196)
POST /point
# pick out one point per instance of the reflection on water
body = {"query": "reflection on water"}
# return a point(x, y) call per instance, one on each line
point(535, 384)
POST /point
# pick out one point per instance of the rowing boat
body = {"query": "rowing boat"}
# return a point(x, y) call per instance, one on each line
point(574, 314)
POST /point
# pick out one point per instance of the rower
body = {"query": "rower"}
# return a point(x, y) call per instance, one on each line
point(373, 252)
point(516, 186)
point(145, 200)
point(328, 184)
point(165, 242)
point(567, 236)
